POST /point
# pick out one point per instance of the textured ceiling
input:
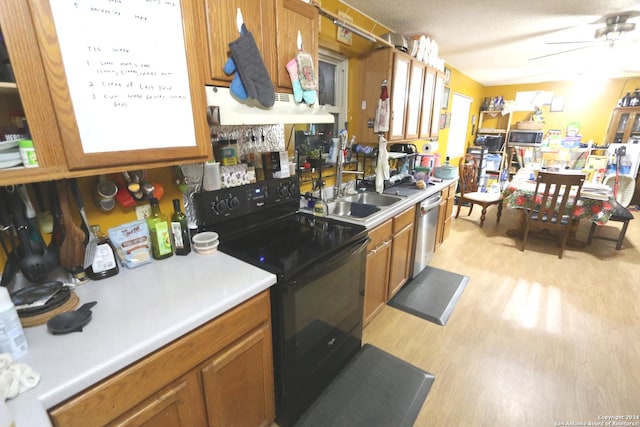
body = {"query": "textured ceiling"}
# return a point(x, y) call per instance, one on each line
point(492, 41)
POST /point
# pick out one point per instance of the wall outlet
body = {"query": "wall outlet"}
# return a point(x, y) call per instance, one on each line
point(143, 211)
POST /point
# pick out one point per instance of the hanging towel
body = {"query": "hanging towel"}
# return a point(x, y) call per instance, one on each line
point(382, 168)
point(381, 124)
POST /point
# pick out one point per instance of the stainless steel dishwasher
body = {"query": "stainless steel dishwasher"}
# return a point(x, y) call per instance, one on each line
point(426, 225)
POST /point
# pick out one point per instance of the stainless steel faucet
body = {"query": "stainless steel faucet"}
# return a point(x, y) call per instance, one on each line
point(338, 192)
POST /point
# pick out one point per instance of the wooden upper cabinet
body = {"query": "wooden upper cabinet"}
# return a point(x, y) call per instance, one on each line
point(118, 101)
point(437, 105)
point(30, 93)
point(399, 92)
point(220, 29)
point(414, 90)
point(293, 16)
point(427, 103)
point(624, 124)
point(414, 99)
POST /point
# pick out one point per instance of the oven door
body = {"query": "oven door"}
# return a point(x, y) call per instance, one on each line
point(317, 327)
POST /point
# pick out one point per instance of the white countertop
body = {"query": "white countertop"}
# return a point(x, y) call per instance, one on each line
point(142, 309)
point(138, 311)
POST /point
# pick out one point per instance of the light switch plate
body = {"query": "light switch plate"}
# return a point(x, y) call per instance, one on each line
point(143, 211)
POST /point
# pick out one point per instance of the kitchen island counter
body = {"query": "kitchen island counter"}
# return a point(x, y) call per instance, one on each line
point(138, 311)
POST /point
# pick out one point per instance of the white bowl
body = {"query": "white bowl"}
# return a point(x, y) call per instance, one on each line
point(204, 239)
point(206, 250)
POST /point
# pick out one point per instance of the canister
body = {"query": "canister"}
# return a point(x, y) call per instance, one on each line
point(228, 152)
point(28, 153)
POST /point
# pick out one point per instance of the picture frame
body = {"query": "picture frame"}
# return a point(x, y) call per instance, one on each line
point(557, 104)
point(443, 120)
point(344, 36)
point(447, 76)
point(445, 98)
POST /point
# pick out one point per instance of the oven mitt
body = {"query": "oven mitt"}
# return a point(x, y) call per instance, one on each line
point(306, 71)
point(236, 84)
point(299, 94)
point(250, 66)
point(292, 69)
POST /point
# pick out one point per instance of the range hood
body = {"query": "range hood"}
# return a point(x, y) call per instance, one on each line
point(232, 111)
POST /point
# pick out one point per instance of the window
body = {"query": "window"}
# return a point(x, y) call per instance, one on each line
point(332, 95)
point(332, 85)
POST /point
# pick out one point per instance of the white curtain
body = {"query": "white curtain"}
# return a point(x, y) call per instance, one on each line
point(460, 106)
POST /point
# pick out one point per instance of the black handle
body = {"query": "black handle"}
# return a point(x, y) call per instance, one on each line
point(5, 219)
point(87, 306)
point(39, 200)
point(17, 210)
point(57, 234)
point(75, 191)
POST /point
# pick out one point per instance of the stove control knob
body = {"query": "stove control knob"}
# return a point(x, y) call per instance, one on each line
point(293, 189)
point(283, 191)
point(221, 206)
point(234, 203)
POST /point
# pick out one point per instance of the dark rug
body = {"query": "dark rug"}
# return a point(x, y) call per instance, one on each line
point(374, 389)
point(431, 295)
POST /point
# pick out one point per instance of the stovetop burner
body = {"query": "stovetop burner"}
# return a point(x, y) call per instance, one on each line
point(260, 224)
point(291, 243)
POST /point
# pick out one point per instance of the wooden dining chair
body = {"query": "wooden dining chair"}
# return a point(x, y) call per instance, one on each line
point(468, 174)
point(549, 209)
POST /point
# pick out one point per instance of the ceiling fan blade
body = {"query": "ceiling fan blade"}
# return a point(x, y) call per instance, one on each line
point(559, 53)
point(575, 42)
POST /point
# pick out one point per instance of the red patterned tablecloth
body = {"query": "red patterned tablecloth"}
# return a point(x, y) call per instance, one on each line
point(518, 194)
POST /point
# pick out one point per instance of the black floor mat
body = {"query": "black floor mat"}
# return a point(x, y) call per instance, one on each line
point(374, 389)
point(431, 295)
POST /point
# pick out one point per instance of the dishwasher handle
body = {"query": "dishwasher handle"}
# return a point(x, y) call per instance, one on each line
point(428, 205)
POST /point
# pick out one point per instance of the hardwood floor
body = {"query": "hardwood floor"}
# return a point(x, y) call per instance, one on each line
point(534, 340)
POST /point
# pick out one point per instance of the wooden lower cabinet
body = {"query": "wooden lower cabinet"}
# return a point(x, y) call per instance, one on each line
point(401, 252)
point(377, 273)
point(389, 261)
point(237, 380)
point(220, 374)
point(444, 214)
point(178, 404)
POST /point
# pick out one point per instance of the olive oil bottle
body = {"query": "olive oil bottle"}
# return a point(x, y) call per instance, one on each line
point(160, 232)
point(180, 230)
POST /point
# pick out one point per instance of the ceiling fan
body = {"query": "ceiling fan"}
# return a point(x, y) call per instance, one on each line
point(616, 24)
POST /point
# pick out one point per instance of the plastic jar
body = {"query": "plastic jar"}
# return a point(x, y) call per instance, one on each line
point(12, 339)
point(28, 153)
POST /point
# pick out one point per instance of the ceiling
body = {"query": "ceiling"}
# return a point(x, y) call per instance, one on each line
point(493, 41)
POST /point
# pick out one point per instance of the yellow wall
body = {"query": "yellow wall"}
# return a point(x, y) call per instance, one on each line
point(462, 84)
point(586, 101)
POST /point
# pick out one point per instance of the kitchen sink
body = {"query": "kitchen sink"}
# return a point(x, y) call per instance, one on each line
point(352, 209)
point(374, 199)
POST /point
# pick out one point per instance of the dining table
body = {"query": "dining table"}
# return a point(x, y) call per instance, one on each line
point(595, 203)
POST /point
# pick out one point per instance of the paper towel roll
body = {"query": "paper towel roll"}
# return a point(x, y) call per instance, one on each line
point(430, 147)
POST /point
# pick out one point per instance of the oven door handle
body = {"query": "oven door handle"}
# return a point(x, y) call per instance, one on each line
point(330, 264)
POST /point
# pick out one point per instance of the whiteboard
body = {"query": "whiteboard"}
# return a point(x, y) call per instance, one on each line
point(126, 68)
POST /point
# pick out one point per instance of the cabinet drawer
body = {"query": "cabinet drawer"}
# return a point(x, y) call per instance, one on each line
point(402, 220)
point(380, 234)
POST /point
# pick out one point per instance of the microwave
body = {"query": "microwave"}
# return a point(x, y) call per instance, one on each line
point(525, 137)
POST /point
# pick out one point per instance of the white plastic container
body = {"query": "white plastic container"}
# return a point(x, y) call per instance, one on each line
point(12, 339)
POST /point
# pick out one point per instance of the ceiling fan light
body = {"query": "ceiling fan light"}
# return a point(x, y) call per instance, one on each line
point(614, 31)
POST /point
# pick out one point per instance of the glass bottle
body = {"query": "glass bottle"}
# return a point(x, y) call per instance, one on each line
point(180, 230)
point(159, 230)
point(104, 263)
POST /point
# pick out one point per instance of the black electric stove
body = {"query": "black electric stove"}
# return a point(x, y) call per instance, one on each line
point(317, 302)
